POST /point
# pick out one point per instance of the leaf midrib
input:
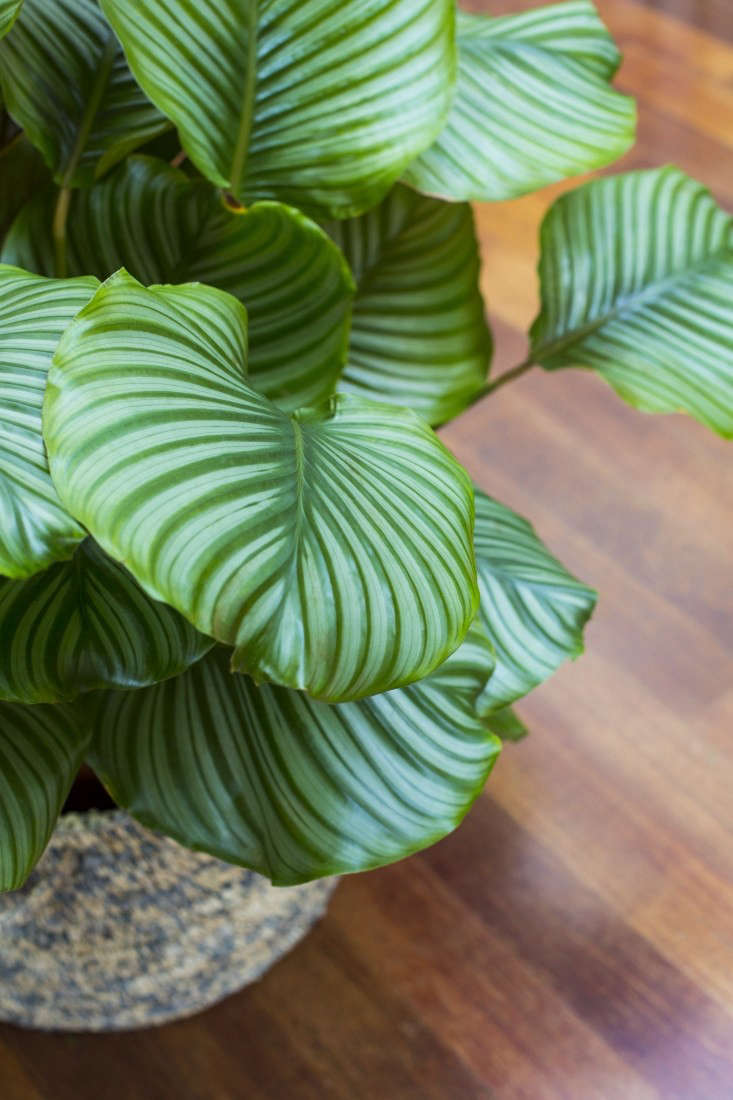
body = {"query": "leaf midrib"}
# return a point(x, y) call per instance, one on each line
point(246, 118)
point(550, 588)
point(625, 305)
point(470, 44)
point(299, 518)
point(92, 108)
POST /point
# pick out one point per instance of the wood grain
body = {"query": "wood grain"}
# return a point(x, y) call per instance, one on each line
point(574, 939)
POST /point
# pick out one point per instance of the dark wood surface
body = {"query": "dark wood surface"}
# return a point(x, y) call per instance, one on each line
point(574, 939)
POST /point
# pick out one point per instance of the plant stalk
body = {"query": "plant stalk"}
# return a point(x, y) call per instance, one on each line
point(61, 213)
point(60, 217)
point(508, 376)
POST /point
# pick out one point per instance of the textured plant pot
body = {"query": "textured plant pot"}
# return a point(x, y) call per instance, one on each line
point(119, 928)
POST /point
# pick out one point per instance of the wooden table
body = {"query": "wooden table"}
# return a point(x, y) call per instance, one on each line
point(574, 939)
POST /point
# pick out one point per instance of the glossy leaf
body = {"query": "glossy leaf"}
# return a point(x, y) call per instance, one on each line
point(22, 174)
point(9, 10)
point(294, 788)
point(41, 749)
point(265, 96)
point(85, 624)
point(66, 82)
point(419, 335)
point(533, 610)
point(332, 547)
point(636, 274)
point(533, 104)
point(162, 227)
point(35, 529)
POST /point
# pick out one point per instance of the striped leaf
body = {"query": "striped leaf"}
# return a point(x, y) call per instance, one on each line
point(22, 173)
point(331, 547)
point(35, 529)
point(636, 275)
point(315, 102)
point(150, 219)
point(293, 788)
point(66, 82)
point(533, 104)
point(9, 10)
point(533, 610)
point(419, 335)
point(86, 624)
point(41, 749)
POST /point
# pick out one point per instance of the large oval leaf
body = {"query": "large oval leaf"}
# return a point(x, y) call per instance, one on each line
point(317, 102)
point(419, 335)
point(532, 105)
point(294, 788)
point(150, 219)
point(35, 529)
point(636, 275)
point(9, 10)
point(66, 82)
point(332, 547)
point(86, 624)
point(41, 749)
point(533, 610)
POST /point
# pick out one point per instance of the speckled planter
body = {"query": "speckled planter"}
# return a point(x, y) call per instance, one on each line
point(119, 928)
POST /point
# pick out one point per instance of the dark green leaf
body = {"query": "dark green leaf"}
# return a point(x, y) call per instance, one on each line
point(166, 146)
point(150, 219)
point(419, 335)
point(291, 787)
point(507, 724)
point(332, 547)
point(315, 103)
point(86, 624)
point(22, 173)
point(533, 610)
point(636, 273)
point(66, 82)
point(35, 529)
point(41, 749)
point(532, 105)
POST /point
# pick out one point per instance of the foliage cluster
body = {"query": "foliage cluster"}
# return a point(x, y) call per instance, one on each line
point(239, 573)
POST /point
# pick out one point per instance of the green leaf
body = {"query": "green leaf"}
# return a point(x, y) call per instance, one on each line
point(9, 10)
point(331, 547)
point(636, 274)
point(35, 529)
point(22, 173)
point(66, 82)
point(533, 610)
point(41, 749)
point(533, 105)
point(507, 724)
point(150, 219)
point(294, 788)
point(86, 624)
point(319, 104)
point(419, 335)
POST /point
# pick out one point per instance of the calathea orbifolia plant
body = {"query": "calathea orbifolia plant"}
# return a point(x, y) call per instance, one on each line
point(242, 576)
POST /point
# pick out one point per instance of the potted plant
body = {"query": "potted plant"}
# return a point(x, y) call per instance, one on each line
point(241, 576)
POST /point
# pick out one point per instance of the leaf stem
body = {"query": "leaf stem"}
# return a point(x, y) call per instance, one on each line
point(60, 217)
point(508, 376)
point(241, 148)
point(61, 213)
